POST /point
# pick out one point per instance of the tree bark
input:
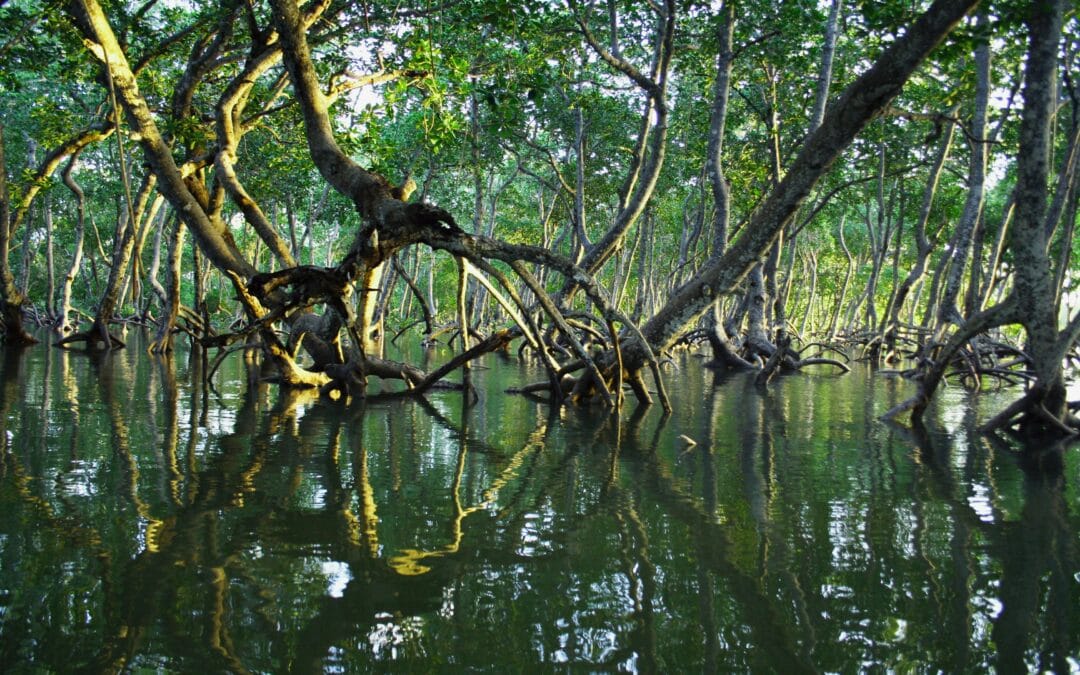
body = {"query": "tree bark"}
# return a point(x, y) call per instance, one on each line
point(1031, 303)
point(229, 129)
point(28, 251)
point(724, 353)
point(1034, 285)
point(838, 307)
point(123, 246)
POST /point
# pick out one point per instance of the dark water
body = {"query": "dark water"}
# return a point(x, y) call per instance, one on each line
point(149, 523)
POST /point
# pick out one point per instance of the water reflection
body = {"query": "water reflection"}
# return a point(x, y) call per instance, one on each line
point(148, 520)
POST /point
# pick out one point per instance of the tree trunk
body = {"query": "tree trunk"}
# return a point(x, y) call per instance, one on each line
point(414, 288)
point(155, 269)
point(923, 245)
point(834, 325)
point(724, 353)
point(63, 326)
point(811, 262)
point(1034, 284)
point(947, 311)
point(50, 262)
point(11, 301)
point(28, 251)
point(757, 333)
point(123, 246)
point(655, 86)
point(1043, 408)
point(171, 310)
point(828, 50)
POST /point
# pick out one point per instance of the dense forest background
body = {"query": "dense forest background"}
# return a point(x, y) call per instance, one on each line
point(784, 185)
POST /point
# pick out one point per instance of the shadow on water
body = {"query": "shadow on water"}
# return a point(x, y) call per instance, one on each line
point(148, 520)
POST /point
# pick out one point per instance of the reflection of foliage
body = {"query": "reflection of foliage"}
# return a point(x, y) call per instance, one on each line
point(777, 529)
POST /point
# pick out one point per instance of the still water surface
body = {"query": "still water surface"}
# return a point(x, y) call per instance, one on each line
point(151, 523)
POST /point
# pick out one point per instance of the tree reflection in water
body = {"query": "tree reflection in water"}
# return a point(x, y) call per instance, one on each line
point(150, 521)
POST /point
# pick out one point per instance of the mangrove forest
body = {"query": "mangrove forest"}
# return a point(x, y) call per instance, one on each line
point(603, 335)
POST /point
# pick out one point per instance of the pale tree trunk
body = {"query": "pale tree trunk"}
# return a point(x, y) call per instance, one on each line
point(294, 242)
point(198, 272)
point(478, 198)
point(50, 261)
point(993, 266)
point(774, 316)
point(290, 215)
point(123, 245)
point(812, 263)
point(877, 228)
point(641, 297)
point(370, 332)
point(960, 245)
point(314, 210)
point(934, 294)
point(834, 325)
point(477, 304)
point(897, 249)
point(229, 112)
point(417, 293)
point(975, 276)
point(28, 252)
point(155, 269)
point(714, 163)
point(828, 50)
point(817, 116)
point(171, 307)
point(626, 264)
point(693, 217)
point(581, 242)
point(757, 335)
point(137, 273)
point(923, 245)
point(63, 325)
point(1065, 203)
point(724, 353)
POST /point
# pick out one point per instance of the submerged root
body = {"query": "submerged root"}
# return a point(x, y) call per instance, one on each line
point(96, 340)
point(1028, 415)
